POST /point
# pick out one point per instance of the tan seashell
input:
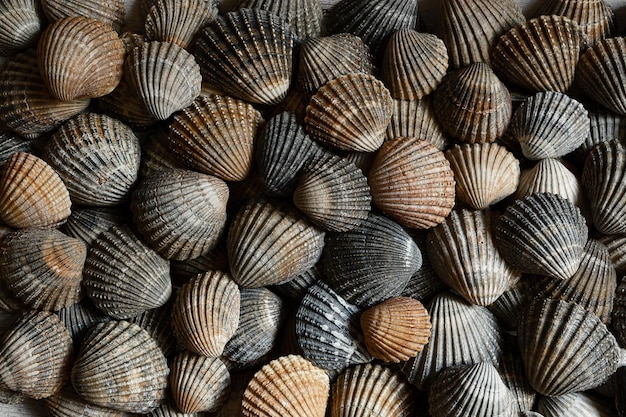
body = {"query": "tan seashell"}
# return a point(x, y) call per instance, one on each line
point(67, 403)
point(411, 181)
point(32, 194)
point(416, 119)
point(109, 12)
point(80, 57)
point(289, 386)
point(595, 17)
point(304, 16)
point(22, 24)
point(396, 329)
point(177, 21)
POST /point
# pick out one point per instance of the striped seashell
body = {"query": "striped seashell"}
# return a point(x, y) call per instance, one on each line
point(157, 154)
point(576, 403)
point(604, 126)
point(618, 315)
point(303, 16)
point(22, 24)
point(424, 283)
point(8, 304)
point(124, 104)
point(67, 403)
point(296, 288)
point(110, 12)
point(177, 21)
point(616, 244)
point(244, 46)
point(80, 57)
point(508, 307)
point(10, 144)
point(79, 317)
point(168, 408)
point(511, 371)
point(88, 223)
point(32, 193)
point(594, 17)
point(416, 119)
point(157, 322)
point(216, 259)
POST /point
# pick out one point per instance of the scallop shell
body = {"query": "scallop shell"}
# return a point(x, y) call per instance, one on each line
point(541, 54)
point(67, 403)
point(604, 126)
point(199, 383)
point(120, 366)
point(110, 12)
point(411, 182)
point(602, 180)
point(472, 104)
point(157, 154)
point(575, 404)
point(424, 283)
point(10, 144)
point(416, 119)
point(616, 244)
point(371, 390)
point(268, 245)
point(180, 213)
point(177, 21)
point(205, 314)
point(542, 234)
point(35, 355)
point(512, 372)
point(565, 348)
point(164, 76)
point(358, 103)
point(22, 24)
point(32, 193)
point(88, 223)
point(464, 255)
point(79, 317)
point(80, 57)
point(594, 17)
point(304, 16)
point(215, 135)
point(157, 322)
point(234, 60)
point(485, 173)
point(471, 28)
point(289, 386)
point(42, 268)
point(414, 64)
point(168, 408)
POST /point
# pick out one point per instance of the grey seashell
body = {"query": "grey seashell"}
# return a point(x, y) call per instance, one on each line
point(88, 223)
point(512, 372)
point(22, 25)
point(304, 16)
point(416, 119)
point(157, 154)
point(296, 288)
point(575, 404)
point(80, 317)
point(616, 244)
point(110, 12)
point(178, 21)
point(168, 408)
point(424, 283)
point(619, 313)
point(214, 260)
point(157, 322)
point(67, 403)
point(508, 307)
point(10, 144)
point(604, 125)
point(595, 17)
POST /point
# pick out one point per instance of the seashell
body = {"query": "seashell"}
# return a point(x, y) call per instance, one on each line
point(485, 173)
point(372, 262)
point(362, 160)
point(205, 314)
point(416, 119)
point(289, 386)
point(42, 267)
point(97, 157)
point(603, 174)
point(88, 223)
point(215, 259)
point(594, 17)
point(542, 234)
point(296, 288)
point(357, 102)
point(180, 213)
point(79, 317)
point(124, 277)
point(10, 144)
point(110, 12)
point(327, 329)
point(157, 322)
point(464, 255)
point(512, 373)
point(472, 104)
point(576, 403)
point(157, 154)
point(303, 16)
point(261, 316)
point(233, 60)
point(541, 54)
point(294, 102)
point(565, 348)
point(619, 312)
point(333, 193)
point(67, 403)
point(508, 307)
point(35, 355)
point(168, 408)
point(396, 329)
point(80, 57)
point(404, 164)
point(199, 383)
point(424, 283)
point(476, 390)
point(604, 126)
point(616, 244)
point(178, 21)
point(120, 366)
point(8, 304)
point(22, 23)
point(26, 105)
point(473, 328)
point(371, 390)
point(269, 245)
point(471, 28)
point(414, 64)
point(164, 76)
point(32, 193)
point(215, 135)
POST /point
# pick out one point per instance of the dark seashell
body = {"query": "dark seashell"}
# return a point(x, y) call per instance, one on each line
point(616, 244)
point(304, 16)
point(80, 317)
point(178, 21)
point(157, 154)
point(512, 372)
point(425, 282)
point(508, 307)
point(168, 408)
point(416, 119)
point(88, 223)
point(10, 144)
point(619, 313)
point(125, 104)
point(575, 404)
point(296, 288)
point(595, 17)
point(22, 24)
point(604, 126)
point(157, 322)
point(67, 403)
point(109, 12)
point(214, 260)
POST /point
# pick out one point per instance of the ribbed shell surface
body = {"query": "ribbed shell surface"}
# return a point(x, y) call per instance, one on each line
point(109, 12)
point(22, 24)
point(595, 17)
point(178, 21)
point(304, 16)
point(550, 176)
point(416, 119)
point(68, 404)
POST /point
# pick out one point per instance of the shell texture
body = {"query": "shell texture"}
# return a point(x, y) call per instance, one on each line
point(512, 372)
point(604, 126)
point(157, 322)
point(88, 223)
point(296, 288)
point(616, 244)
point(304, 16)
point(416, 119)
point(216, 259)
point(178, 21)
point(578, 403)
point(22, 24)
point(10, 144)
point(508, 307)
point(79, 317)
point(67, 403)
point(157, 155)
point(424, 283)
point(618, 315)
point(109, 12)
point(168, 408)
point(595, 17)
point(124, 104)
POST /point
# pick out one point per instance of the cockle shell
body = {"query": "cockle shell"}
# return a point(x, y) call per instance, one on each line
point(22, 24)
point(67, 403)
point(296, 288)
point(32, 194)
point(10, 144)
point(178, 21)
point(575, 404)
point(416, 119)
point(88, 223)
point(157, 322)
point(109, 12)
point(168, 408)
point(595, 17)
point(215, 259)
point(124, 104)
point(80, 57)
point(512, 373)
point(424, 283)
point(79, 317)
point(304, 16)
point(508, 307)
point(157, 155)
point(604, 125)
point(616, 244)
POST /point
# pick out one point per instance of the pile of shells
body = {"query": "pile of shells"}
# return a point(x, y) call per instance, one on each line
point(312, 208)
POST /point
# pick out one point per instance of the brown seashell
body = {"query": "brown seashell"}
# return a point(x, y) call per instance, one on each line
point(472, 104)
point(124, 104)
point(22, 24)
point(304, 16)
point(157, 154)
point(110, 12)
point(157, 322)
point(215, 259)
point(416, 119)
point(32, 193)
point(79, 317)
point(512, 372)
point(411, 181)
point(10, 144)
point(80, 57)
point(177, 21)
point(67, 403)
point(594, 17)
point(88, 223)
point(616, 244)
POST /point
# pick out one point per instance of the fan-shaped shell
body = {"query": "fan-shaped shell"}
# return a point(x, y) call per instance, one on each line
point(508, 307)
point(168, 408)
point(80, 317)
point(512, 372)
point(424, 283)
point(157, 322)
point(604, 125)
point(576, 403)
point(68, 404)
point(178, 21)
point(416, 119)
point(22, 24)
point(88, 223)
point(304, 16)
point(109, 12)
point(124, 104)
point(594, 17)
point(616, 244)
point(10, 144)
point(157, 155)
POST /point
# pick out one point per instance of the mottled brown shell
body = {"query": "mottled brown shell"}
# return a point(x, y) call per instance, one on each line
point(109, 12)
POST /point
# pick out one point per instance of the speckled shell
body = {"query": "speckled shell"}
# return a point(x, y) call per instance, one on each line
point(124, 277)
point(512, 372)
point(22, 24)
point(371, 390)
point(120, 366)
point(269, 245)
point(304, 16)
point(416, 119)
point(80, 57)
point(471, 28)
point(42, 268)
point(205, 314)
point(565, 348)
point(164, 76)
point(616, 244)
point(541, 54)
point(88, 223)
point(602, 181)
point(79, 317)
point(594, 17)
point(411, 182)
point(198, 383)
point(233, 59)
point(215, 135)
point(178, 21)
point(542, 234)
point(485, 173)
point(67, 403)
point(32, 193)
point(35, 355)
point(109, 12)
point(472, 104)
point(180, 213)
point(350, 112)
point(577, 403)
